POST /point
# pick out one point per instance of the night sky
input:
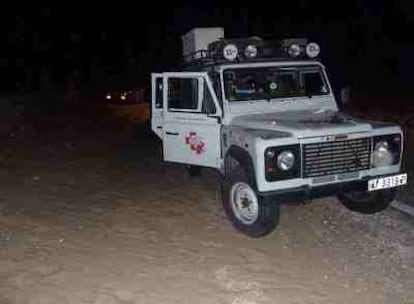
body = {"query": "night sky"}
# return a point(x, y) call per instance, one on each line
point(367, 44)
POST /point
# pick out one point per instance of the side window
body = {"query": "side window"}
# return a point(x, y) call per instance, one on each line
point(183, 94)
point(158, 92)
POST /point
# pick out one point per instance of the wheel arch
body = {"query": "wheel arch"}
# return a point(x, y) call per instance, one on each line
point(245, 161)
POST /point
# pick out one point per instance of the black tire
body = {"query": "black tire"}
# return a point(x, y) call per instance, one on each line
point(160, 151)
point(268, 212)
point(193, 171)
point(367, 202)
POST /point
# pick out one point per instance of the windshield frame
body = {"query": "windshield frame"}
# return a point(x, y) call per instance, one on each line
point(277, 65)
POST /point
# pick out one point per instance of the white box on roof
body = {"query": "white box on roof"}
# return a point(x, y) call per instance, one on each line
point(198, 39)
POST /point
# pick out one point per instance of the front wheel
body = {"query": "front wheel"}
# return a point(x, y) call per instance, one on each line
point(249, 213)
point(367, 202)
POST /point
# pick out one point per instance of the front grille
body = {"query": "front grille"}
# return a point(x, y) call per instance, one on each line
point(336, 157)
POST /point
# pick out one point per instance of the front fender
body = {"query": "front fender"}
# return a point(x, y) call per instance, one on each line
point(244, 160)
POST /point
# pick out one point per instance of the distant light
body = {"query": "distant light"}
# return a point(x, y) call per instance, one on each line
point(230, 52)
point(123, 97)
point(250, 51)
point(294, 50)
point(312, 50)
point(108, 96)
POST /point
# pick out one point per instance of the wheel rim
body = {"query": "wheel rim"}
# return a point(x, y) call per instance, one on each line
point(244, 203)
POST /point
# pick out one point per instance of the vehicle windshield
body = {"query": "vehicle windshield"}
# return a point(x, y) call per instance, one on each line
point(274, 82)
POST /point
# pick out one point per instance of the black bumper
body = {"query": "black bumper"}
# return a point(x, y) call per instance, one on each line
point(308, 192)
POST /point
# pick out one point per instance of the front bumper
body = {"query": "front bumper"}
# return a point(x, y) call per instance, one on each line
point(308, 192)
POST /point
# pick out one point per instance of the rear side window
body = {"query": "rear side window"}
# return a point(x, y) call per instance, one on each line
point(158, 93)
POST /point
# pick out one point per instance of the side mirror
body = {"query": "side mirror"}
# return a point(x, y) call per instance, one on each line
point(345, 97)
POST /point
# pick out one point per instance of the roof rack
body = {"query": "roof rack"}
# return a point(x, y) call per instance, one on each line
point(283, 50)
point(210, 61)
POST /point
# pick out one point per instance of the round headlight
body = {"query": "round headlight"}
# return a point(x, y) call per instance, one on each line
point(285, 160)
point(230, 52)
point(382, 154)
point(312, 50)
point(250, 51)
point(108, 96)
point(294, 50)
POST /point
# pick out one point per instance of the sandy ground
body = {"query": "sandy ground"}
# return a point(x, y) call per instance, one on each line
point(97, 218)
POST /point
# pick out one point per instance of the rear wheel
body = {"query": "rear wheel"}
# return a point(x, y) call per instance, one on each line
point(367, 202)
point(249, 213)
point(160, 151)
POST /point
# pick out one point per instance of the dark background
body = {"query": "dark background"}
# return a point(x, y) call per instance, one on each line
point(366, 44)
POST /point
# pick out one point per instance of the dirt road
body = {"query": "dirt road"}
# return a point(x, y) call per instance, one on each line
point(89, 215)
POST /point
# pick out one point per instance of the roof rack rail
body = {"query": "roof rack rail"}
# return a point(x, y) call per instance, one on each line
point(286, 49)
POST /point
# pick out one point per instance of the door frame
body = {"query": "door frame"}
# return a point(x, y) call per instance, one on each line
point(187, 117)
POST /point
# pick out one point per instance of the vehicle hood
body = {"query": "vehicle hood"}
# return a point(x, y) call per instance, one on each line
point(304, 123)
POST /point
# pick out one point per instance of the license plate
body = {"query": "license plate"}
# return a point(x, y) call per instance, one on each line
point(387, 182)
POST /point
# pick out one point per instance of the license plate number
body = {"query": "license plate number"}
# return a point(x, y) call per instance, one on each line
point(387, 182)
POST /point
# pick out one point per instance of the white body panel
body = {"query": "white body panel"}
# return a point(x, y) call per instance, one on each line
point(191, 139)
point(302, 124)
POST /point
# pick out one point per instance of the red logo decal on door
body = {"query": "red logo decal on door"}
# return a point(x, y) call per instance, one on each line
point(195, 142)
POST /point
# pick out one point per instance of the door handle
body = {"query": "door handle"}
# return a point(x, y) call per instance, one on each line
point(171, 133)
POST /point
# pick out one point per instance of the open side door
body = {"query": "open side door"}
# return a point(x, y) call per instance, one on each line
point(191, 119)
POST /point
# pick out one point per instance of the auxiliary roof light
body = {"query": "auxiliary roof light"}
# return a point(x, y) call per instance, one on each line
point(250, 51)
point(230, 52)
point(294, 50)
point(313, 50)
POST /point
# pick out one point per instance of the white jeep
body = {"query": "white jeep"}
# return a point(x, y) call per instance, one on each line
point(264, 115)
